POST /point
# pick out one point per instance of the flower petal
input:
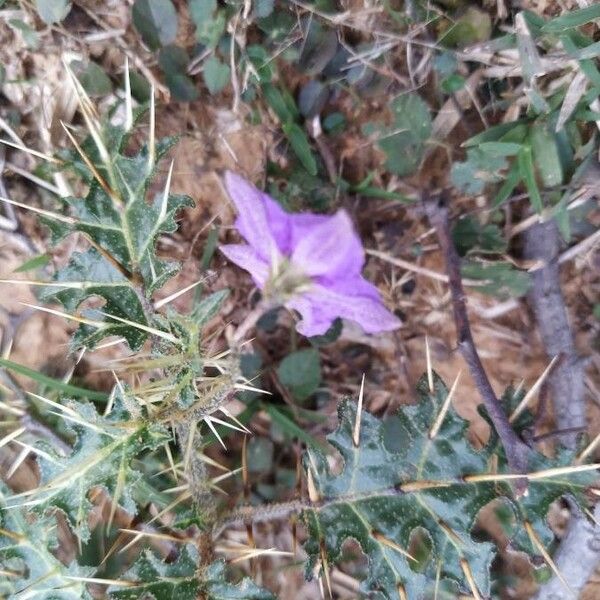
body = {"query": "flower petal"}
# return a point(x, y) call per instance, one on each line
point(322, 305)
point(330, 248)
point(253, 222)
point(246, 257)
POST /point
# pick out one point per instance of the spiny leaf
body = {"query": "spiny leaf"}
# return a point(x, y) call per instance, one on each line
point(101, 456)
point(26, 552)
point(152, 578)
point(123, 264)
point(401, 481)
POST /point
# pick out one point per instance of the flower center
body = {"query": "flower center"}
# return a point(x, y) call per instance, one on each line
point(285, 280)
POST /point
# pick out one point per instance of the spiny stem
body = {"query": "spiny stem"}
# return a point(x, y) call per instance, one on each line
point(517, 452)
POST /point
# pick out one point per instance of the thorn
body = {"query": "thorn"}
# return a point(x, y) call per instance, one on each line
point(588, 449)
point(429, 367)
point(62, 407)
point(11, 436)
point(326, 568)
point(561, 471)
point(442, 414)
point(470, 579)
point(128, 98)
point(357, 421)
point(40, 211)
point(256, 552)
point(152, 138)
point(225, 424)
point(313, 493)
point(96, 580)
point(212, 428)
point(175, 295)
point(391, 544)
point(535, 540)
point(17, 463)
point(250, 388)
point(402, 592)
point(59, 313)
point(171, 461)
point(423, 484)
point(109, 192)
point(165, 198)
point(533, 391)
point(235, 420)
point(146, 328)
point(31, 151)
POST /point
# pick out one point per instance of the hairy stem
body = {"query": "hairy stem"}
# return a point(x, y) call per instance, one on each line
point(517, 452)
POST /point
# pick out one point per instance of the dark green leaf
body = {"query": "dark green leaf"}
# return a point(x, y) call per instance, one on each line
point(318, 48)
point(216, 74)
point(26, 546)
point(156, 22)
point(101, 456)
point(52, 11)
point(30, 36)
point(404, 142)
point(66, 388)
point(92, 78)
point(525, 161)
point(299, 142)
point(37, 262)
point(300, 372)
point(545, 154)
point(575, 18)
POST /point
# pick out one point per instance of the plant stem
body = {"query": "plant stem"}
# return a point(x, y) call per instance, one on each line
point(517, 452)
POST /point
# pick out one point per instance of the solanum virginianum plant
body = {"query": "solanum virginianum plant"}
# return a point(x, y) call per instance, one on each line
point(408, 488)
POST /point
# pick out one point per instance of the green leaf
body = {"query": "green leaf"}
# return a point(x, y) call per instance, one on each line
point(276, 100)
point(469, 234)
point(30, 36)
point(525, 162)
point(54, 384)
point(93, 78)
point(289, 427)
point(124, 231)
point(301, 146)
point(318, 48)
point(501, 278)
point(300, 372)
point(474, 25)
point(545, 154)
point(407, 479)
point(404, 143)
point(174, 61)
point(26, 551)
point(154, 578)
point(575, 18)
point(263, 8)
point(209, 26)
point(216, 587)
point(101, 456)
point(156, 22)
point(216, 74)
point(208, 307)
point(37, 262)
point(52, 11)
point(181, 579)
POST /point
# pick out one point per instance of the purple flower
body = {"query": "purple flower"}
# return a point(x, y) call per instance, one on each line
point(306, 262)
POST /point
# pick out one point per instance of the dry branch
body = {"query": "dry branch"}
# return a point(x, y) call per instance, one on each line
point(579, 552)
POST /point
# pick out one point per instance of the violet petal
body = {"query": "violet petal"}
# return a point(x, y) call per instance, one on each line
point(246, 257)
point(330, 249)
point(321, 306)
point(252, 221)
